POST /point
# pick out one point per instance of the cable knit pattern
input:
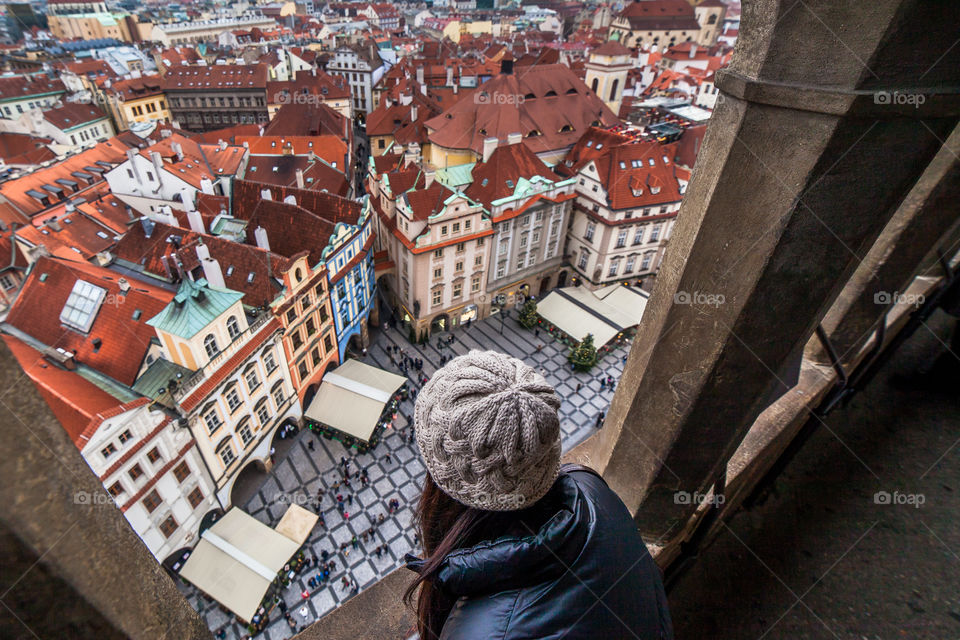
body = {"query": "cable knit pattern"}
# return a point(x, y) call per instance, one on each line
point(488, 429)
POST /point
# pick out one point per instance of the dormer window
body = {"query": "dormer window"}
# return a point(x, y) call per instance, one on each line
point(566, 128)
point(534, 133)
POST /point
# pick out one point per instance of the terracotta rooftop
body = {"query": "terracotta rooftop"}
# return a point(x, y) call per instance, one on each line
point(612, 48)
point(19, 87)
point(24, 149)
point(136, 88)
point(314, 83)
point(309, 120)
point(71, 236)
point(73, 114)
point(329, 147)
point(548, 105)
point(497, 177)
point(237, 260)
point(215, 77)
point(74, 400)
point(660, 15)
point(23, 198)
point(199, 161)
point(118, 339)
point(282, 170)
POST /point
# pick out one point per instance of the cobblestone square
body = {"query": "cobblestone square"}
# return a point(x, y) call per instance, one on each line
point(301, 472)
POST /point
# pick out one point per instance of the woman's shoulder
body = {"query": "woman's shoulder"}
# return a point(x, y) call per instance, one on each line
point(481, 618)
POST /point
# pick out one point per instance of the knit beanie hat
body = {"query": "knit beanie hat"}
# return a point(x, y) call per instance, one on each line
point(488, 429)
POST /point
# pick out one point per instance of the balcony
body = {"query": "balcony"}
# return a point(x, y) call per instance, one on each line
point(818, 203)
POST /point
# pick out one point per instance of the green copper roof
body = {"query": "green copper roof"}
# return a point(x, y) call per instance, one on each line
point(158, 376)
point(457, 175)
point(195, 306)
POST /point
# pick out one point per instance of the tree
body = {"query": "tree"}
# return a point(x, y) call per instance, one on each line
point(412, 336)
point(584, 355)
point(528, 315)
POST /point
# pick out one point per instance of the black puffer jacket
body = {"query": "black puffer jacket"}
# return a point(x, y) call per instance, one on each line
point(584, 573)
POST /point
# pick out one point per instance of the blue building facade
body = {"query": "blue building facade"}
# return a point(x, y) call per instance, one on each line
point(349, 260)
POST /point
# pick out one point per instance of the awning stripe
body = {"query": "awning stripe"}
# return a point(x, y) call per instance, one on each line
point(359, 388)
point(238, 555)
point(599, 316)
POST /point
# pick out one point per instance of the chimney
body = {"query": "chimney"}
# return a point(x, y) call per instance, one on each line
point(157, 162)
point(131, 156)
point(177, 149)
point(413, 113)
point(300, 182)
point(428, 175)
point(222, 145)
point(148, 226)
point(206, 186)
point(260, 235)
point(124, 285)
point(449, 76)
point(195, 220)
point(420, 75)
point(456, 89)
point(265, 194)
point(506, 65)
point(489, 145)
point(693, 50)
point(165, 261)
point(211, 267)
point(514, 138)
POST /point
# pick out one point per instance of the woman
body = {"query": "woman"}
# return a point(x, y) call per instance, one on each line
point(516, 546)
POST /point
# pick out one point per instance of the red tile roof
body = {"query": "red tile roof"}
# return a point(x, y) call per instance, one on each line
point(497, 177)
point(199, 160)
point(330, 148)
point(137, 88)
point(237, 260)
point(660, 15)
point(73, 114)
point(313, 83)
point(71, 236)
point(24, 149)
point(26, 86)
point(309, 120)
point(22, 206)
point(612, 48)
point(548, 101)
point(74, 400)
point(223, 77)
point(123, 340)
point(282, 170)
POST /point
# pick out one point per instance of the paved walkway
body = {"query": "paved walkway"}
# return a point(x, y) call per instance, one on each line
point(297, 477)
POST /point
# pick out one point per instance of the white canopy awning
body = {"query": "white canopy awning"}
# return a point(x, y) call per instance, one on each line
point(236, 560)
point(297, 523)
point(352, 397)
point(605, 313)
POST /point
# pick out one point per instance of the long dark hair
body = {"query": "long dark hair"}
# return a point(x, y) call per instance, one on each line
point(445, 525)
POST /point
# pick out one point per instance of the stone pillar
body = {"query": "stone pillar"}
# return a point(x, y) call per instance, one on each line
point(57, 508)
point(808, 155)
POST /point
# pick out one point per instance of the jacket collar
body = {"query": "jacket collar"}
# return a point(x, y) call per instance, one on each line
point(526, 558)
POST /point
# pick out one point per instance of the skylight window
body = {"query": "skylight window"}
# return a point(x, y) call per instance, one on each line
point(82, 305)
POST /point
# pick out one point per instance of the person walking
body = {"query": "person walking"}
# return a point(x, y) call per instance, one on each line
point(599, 422)
point(514, 544)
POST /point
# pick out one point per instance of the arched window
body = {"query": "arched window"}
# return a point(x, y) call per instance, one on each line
point(596, 83)
point(712, 19)
point(613, 89)
point(210, 344)
point(233, 327)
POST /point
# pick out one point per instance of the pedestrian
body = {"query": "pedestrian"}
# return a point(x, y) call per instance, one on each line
point(350, 499)
point(386, 457)
point(536, 332)
point(305, 594)
point(603, 384)
point(579, 386)
point(596, 524)
point(310, 445)
point(283, 605)
point(599, 422)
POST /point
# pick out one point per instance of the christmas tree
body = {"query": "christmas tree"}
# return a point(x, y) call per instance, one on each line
point(584, 355)
point(528, 315)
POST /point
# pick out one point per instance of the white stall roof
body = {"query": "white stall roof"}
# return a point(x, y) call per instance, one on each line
point(352, 397)
point(578, 311)
point(236, 560)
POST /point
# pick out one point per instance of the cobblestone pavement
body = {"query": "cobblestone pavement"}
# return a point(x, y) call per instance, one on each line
point(297, 477)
